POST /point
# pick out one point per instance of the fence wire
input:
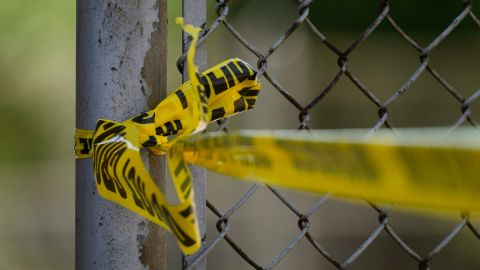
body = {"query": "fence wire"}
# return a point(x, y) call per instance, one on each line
point(465, 117)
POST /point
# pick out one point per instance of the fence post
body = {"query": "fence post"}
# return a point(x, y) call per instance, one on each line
point(121, 71)
point(194, 12)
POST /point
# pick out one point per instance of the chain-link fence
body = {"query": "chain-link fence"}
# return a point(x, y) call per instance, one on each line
point(383, 228)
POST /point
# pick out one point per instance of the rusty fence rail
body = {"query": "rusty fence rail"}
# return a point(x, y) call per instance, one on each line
point(465, 117)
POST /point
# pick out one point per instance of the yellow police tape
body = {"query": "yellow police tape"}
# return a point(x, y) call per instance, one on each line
point(421, 170)
point(417, 171)
point(221, 91)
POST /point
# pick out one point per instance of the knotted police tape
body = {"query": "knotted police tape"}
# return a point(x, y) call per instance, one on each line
point(226, 89)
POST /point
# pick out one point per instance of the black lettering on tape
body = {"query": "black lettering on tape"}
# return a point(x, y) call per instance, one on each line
point(217, 113)
point(242, 74)
point(170, 129)
point(130, 179)
point(182, 98)
point(151, 141)
point(187, 193)
point(144, 119)
point(367, 166)
point(156, 207)
point(180, 167)
point(248, 92)
point(186, 182)
point(203, 99)
point(206, 85)
point(219, 84)
point(99, 124)
point(181, 235)
point(107, 155)
point(176, 229)
point(239, 105)
point(187, 212)
point(102, 153)
point(87, 145)
point(139, 186)
point(244, 141)
point(178, 124)
point(108, 125)
point(228, 75)
point(250, 103)
point(108, 132)
point(159, 130)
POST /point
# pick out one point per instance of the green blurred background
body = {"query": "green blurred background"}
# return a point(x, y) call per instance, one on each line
point(37, 86)
point(37, 89)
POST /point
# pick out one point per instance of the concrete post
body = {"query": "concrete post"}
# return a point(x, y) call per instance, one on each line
point(121, 71)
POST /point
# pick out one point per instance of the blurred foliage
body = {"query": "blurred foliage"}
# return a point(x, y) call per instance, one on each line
point(411, 15)
point(37, 69)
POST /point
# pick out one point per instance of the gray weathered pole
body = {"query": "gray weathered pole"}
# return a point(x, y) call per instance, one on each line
point(194, 12)
point(121, 71)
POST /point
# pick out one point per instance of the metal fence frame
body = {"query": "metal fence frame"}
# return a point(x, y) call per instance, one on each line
point(197, 261)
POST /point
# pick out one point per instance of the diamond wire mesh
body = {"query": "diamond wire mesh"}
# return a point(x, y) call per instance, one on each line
point(464, 103)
